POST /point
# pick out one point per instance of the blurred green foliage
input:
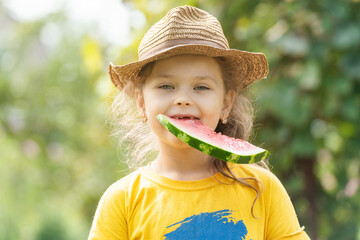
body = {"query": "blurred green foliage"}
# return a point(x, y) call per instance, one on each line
point(56, 155)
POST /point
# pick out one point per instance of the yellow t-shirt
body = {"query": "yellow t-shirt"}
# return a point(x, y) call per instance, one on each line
point(145, 205)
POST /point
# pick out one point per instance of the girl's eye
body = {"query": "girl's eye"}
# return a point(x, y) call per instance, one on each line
point(166, 86)
point(202, 88)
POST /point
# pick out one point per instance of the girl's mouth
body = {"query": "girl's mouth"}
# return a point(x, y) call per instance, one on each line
point(184, 117)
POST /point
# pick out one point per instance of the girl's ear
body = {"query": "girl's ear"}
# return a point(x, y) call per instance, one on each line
point(140, 103)
point(228, 102)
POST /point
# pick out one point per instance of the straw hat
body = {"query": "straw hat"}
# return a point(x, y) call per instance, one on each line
point(189, 30)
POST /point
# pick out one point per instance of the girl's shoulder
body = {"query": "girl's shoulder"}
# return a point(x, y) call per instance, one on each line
point(254, 171)
point(270, 183)
point(124, 184)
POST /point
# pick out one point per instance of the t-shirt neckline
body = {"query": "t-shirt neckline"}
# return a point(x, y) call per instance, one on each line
point(192, 185)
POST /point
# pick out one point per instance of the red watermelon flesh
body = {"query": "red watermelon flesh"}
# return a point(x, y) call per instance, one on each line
point(205, 139)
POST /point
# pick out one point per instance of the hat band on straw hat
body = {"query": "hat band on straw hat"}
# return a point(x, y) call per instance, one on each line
point(177, 43)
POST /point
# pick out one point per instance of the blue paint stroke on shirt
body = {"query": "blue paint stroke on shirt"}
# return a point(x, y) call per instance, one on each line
point(209, 225)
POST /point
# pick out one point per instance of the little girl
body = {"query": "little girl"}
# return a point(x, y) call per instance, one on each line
point(187, 70)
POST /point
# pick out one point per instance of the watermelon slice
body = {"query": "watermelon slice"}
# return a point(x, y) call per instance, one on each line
point(203, 138)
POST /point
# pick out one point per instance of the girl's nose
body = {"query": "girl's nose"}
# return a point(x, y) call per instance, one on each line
point(183, 101)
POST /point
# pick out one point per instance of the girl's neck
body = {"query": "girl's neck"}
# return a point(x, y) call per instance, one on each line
point(183, 164)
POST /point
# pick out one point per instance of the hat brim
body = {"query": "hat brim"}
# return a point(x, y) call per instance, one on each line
point(247, 67)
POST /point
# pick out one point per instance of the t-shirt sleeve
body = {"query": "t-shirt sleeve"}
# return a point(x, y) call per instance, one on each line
point(109, 221)
point(282, 220)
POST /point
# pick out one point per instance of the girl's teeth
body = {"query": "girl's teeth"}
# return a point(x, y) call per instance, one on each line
point(191, 118)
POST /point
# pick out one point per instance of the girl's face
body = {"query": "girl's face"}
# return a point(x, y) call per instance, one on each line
point(184, 86)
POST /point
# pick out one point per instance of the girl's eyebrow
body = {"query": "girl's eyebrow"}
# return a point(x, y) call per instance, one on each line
point(198, 77)
point(165, 75)
point(209, 78)
point(201, 77)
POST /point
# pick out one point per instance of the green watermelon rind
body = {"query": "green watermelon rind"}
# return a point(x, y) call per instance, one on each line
point(210, 149)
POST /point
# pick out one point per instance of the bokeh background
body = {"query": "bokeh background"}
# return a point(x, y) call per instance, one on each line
point(56, 153)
